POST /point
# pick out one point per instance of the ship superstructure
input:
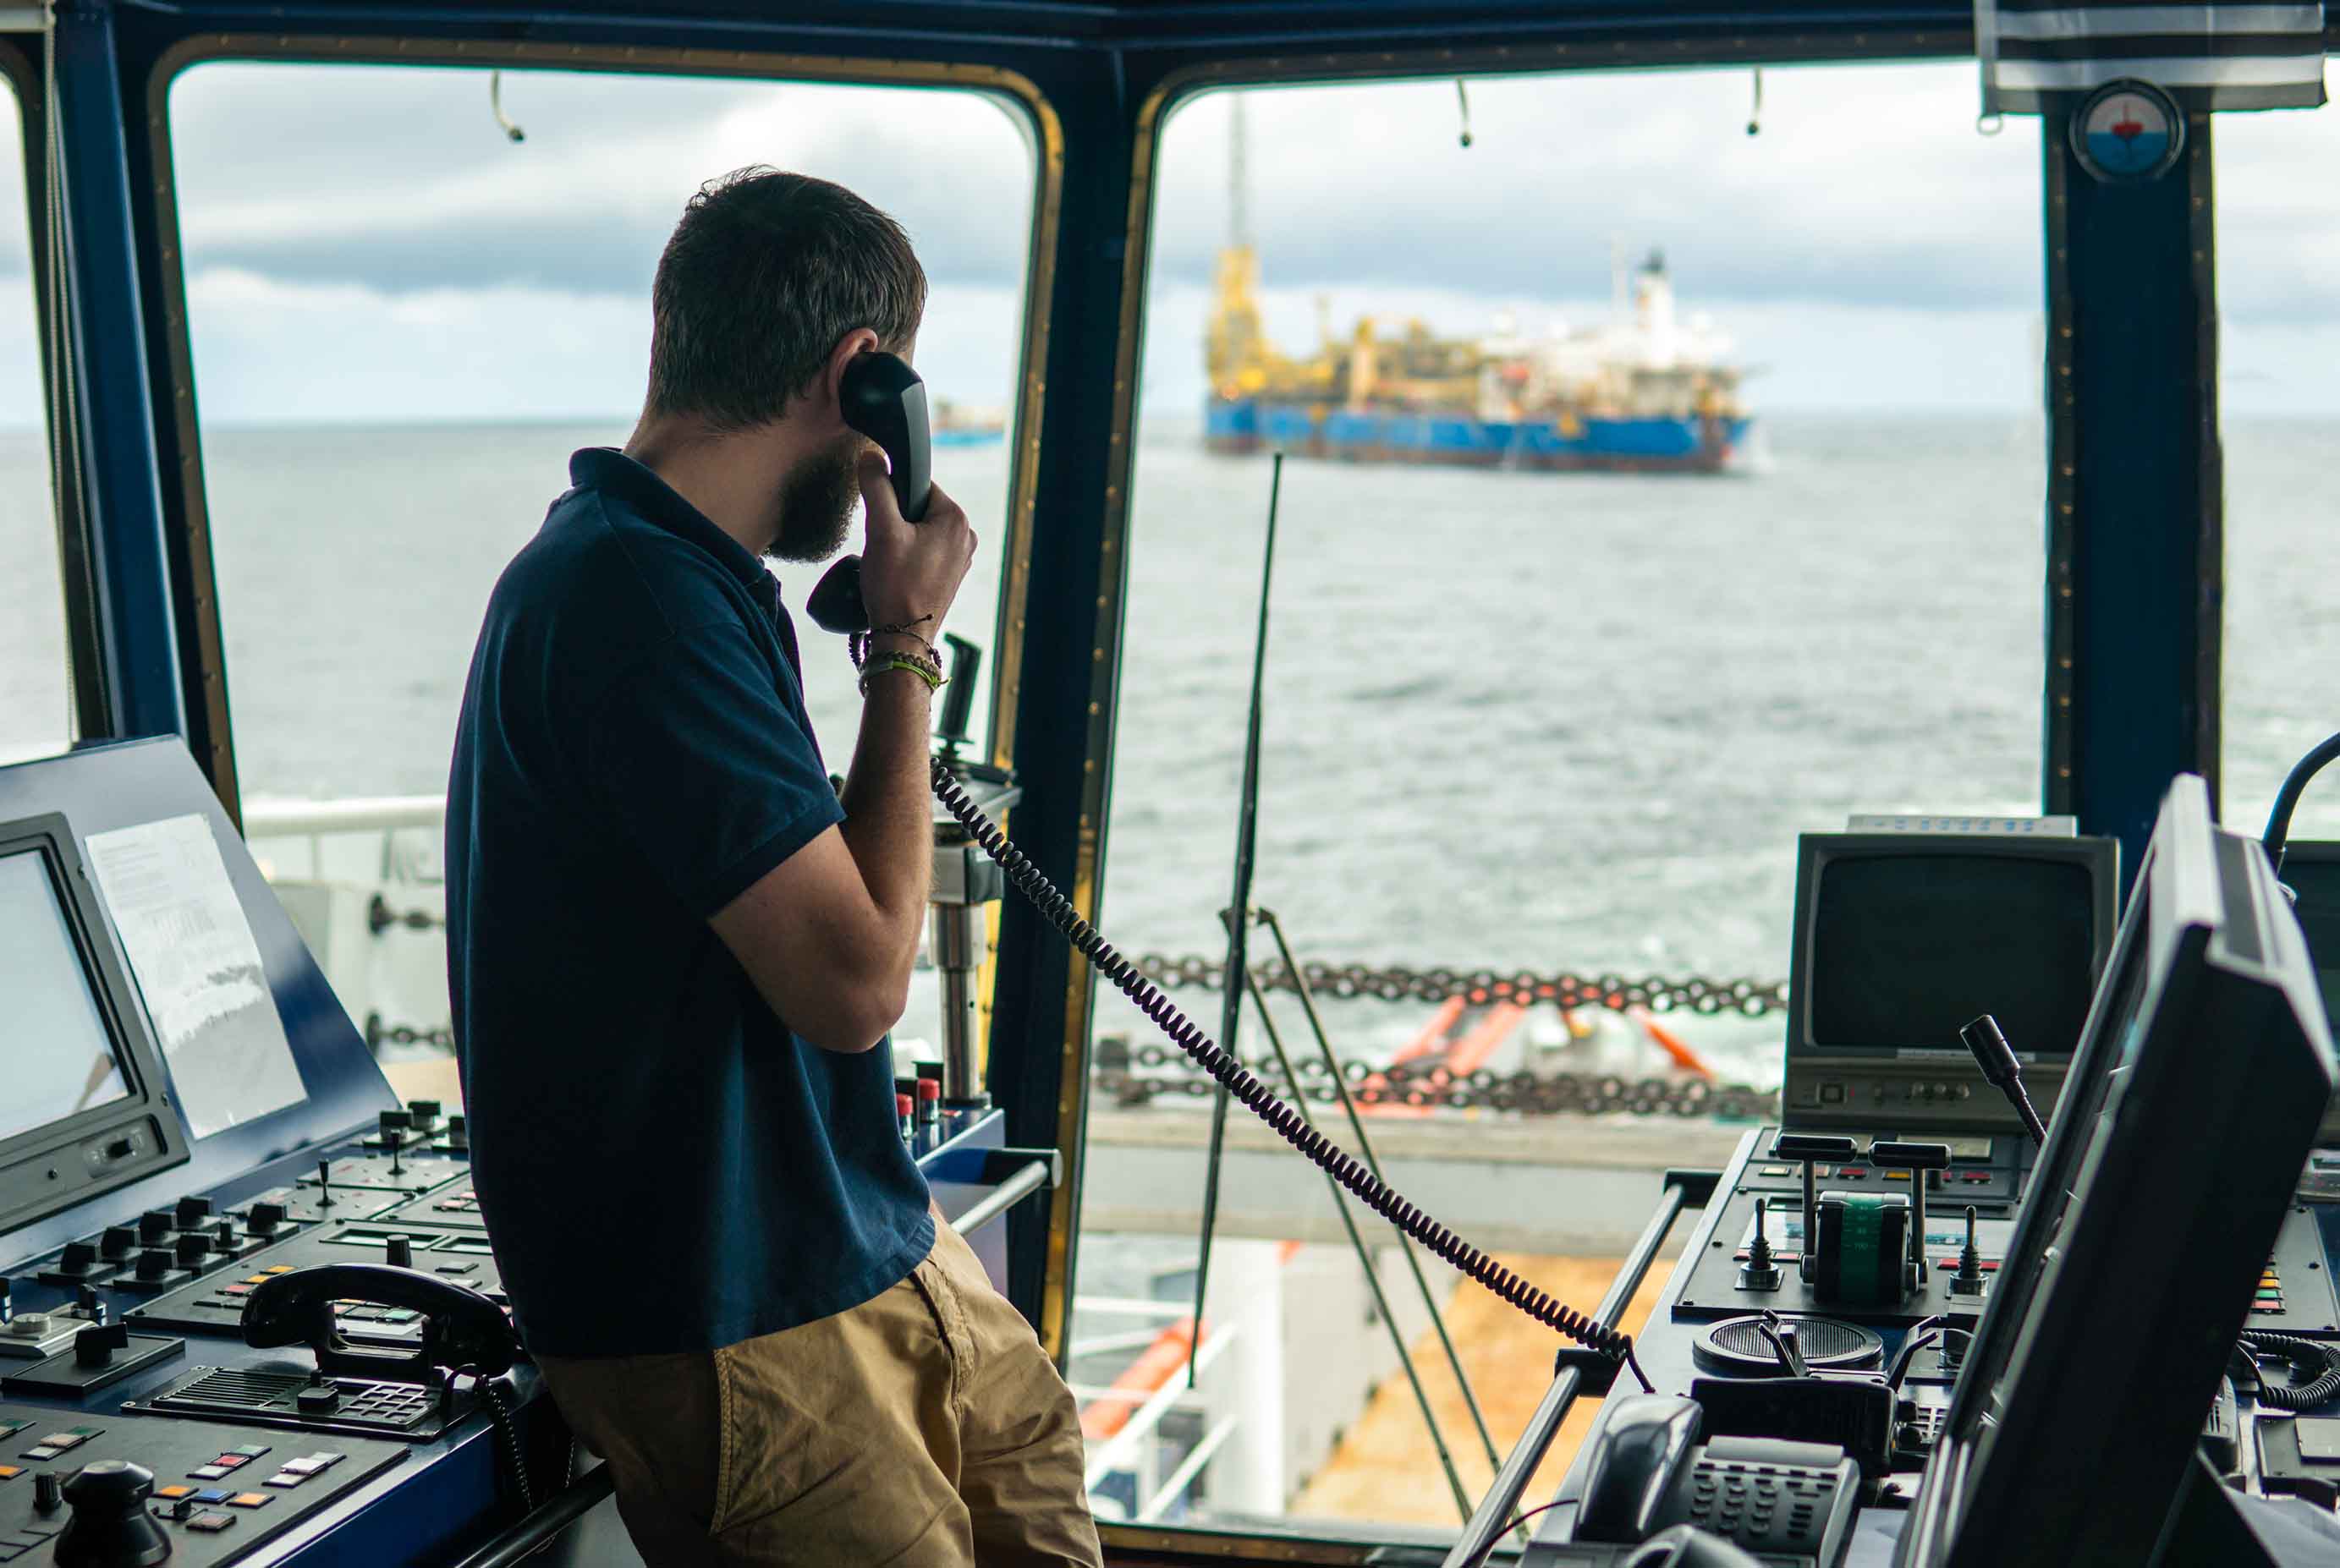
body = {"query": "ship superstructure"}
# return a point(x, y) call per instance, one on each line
point(1646, 389)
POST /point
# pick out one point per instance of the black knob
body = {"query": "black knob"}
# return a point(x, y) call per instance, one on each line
point(119, 1241)
point(48, 1491)
point(459, 1133)
point(95, 1345)
point(109, 1527)
point(394, 1121)
point(222, 1236)
point(193, 1211)
point(155, 1262)
point(400, 1253)
point(425, 1113)
point(192, 1250)
point(78, 1257)
point(156, 1224)
point(264, 1218)
point(318, 1399)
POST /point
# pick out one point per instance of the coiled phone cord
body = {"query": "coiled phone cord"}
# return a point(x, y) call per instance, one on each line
point(2312, 1356)
point(1241, 1082)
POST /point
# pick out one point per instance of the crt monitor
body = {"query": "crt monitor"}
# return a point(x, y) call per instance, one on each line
point(2203, 1070)
point(1901, 938)
point(82, 1105)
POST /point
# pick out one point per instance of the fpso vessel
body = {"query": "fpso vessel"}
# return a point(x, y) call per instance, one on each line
point(1644, 391)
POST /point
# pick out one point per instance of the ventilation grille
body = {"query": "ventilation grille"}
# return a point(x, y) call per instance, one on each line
point(1737, 1344)
point(226, 1388)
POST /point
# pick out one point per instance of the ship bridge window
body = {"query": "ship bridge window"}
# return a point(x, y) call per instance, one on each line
point(36, 715)
point(2279, 412)
point(411, 294)
point(1652, 492)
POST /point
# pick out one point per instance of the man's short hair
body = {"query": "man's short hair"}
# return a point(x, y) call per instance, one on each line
point(764, 274)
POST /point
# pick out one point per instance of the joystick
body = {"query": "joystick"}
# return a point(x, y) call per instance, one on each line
point(1761, 1270)
point(109, 1527)
point(393, 1140)
point(1969, 1280)
point(324, 1184)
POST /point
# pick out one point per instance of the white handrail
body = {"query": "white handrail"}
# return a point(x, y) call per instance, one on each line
point(1188, 1469)
point(1122, 1446)
point(308, 818)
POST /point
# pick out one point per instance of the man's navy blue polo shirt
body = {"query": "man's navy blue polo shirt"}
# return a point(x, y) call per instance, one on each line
point(664, 1164)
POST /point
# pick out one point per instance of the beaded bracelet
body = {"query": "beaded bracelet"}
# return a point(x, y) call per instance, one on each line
point(931, 675)
point(857, 646)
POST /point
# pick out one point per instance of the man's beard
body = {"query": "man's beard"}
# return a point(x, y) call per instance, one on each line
point(816, 507)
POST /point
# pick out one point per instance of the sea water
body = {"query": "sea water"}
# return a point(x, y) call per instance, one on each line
point(1517, 721)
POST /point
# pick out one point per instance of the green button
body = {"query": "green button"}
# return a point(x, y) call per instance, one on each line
point(2271, 1293)
point(84, 1431)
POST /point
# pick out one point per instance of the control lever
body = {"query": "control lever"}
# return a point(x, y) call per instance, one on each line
point(88, 1304)
point(1969, 1280)
point(1810, 1147)
point(1917, 1159)
point(95, 1346)
point(1761, 1270)
point(1987, 1043)
point(324, 1184)
point(109, 1526)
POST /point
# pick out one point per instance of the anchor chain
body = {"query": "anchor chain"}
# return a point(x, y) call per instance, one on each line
point(1434, 1087)
point(1396, 982)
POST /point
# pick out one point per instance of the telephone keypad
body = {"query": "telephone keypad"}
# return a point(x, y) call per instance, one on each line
point(1769, 1509)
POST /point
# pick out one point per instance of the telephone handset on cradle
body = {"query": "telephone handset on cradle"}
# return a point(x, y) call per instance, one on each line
point(881, 396)
point(1648, 1484)
point(461, 1329)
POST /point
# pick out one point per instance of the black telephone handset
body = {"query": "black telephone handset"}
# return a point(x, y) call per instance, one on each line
point(1646, 1478)
point(460, 1328)
point(881, 396)
point(1631, 1470)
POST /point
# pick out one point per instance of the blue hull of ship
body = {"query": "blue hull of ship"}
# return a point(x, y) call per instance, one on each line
point(1650, 445)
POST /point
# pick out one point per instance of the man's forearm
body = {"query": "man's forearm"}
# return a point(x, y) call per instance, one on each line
point(889, 826)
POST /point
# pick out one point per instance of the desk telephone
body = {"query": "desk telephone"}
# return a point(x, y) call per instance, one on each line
point(883, 399)
point(1652, 1494)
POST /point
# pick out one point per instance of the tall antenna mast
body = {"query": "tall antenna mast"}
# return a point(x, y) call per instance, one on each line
point(1238, 206)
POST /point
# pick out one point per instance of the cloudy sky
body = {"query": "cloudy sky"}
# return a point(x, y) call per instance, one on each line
point(365, 244)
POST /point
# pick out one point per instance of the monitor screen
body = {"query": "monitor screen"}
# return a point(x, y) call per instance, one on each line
point(1907, 947)
point(62, 1058)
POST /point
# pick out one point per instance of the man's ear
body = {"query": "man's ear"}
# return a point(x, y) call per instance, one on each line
point(860, 341)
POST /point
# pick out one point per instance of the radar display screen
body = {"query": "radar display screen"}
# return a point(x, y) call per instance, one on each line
point(61, 1057)
point(1906, 948)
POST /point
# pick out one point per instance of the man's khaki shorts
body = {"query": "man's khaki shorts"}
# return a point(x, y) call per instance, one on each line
point(924, 1428)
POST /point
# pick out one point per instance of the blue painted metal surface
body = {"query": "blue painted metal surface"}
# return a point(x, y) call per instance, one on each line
point(120, 476)
point(1371, 435)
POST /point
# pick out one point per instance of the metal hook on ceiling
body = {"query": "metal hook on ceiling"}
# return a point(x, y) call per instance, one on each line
point(496, 107)
point(1755, 111)
point(1463, 97)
